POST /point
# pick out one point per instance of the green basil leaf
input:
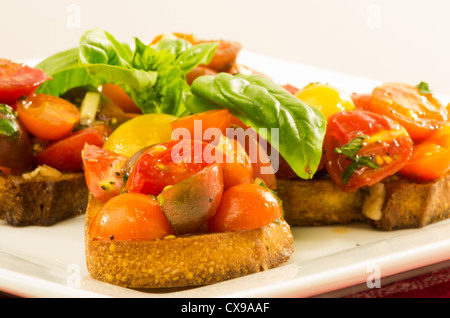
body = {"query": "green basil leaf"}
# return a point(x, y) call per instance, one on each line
point(424, 88)
point(196, 55)
point(60, 61)
point(263, 104)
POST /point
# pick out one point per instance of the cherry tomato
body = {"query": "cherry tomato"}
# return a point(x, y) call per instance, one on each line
point(130, 217)
point(65, 154)
point(245, 207)
point(198, 124)
point(362, 148)
point(16, 154)
point(225, 56)
point(190, 203)
point(103, 172)
point(361, 101)
point(188, 37)
point(169, 163)
point(48, 117)
point(17, 80)
point(420, 114)
point(199, 71)
point(119, 97)
point(291, 89)
point(431, 157)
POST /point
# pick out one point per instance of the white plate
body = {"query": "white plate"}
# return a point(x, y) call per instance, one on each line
point(49, 261)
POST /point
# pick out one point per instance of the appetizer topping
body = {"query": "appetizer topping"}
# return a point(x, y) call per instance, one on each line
point(245, 207)
point(130, 216)
point(362, 148)
point(17, 80)
point(44, 171)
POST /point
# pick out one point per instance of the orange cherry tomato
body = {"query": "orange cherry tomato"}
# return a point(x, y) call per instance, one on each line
point(199, 71)
point(361, 101)
point(420, 114)
point(188, 37)
point(48, 117)
point(430, 158)
point(130, 217)
point(17, 80)
point(120, 98)
point(225, 56)
point(245, 207)
point(103, 172)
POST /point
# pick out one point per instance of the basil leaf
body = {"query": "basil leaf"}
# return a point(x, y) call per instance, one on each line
point(350, 149)
point(8, 127)
point(424, 88)
point(196, 55)
point(261, 103)
point(60, 61)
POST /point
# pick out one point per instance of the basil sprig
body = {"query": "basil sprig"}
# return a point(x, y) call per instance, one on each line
point(263, 105)
point(153, 75)
point(350, 151)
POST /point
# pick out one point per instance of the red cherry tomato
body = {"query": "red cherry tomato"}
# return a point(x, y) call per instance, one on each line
point(130, 217)
point(361, 101)
point(48, 117)
point(17, 80)
point(430, 158)
point(245, 207)
point(363, 148)
point(65, 154)
point(420, 114)
point(169, 163)
point(103, 172)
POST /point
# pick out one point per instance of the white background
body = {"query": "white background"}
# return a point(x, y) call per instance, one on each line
point(395, 40)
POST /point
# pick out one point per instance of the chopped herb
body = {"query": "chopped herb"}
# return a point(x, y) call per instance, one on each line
point(424, 88)
point(350, 151)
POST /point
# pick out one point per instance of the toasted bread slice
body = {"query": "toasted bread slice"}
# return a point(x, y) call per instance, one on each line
point(395, 203)
point(42, 199)
point(186, 261)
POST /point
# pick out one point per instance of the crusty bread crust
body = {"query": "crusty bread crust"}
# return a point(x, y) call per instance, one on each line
point(186, 261)
point(42, 200)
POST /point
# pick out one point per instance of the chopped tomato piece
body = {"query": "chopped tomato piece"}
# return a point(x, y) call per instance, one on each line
point(245, 207)
point(169, 163)
point(420, 114)
point(65, 154)
point(120, 98)
point(430, 158)
point(103, 172)
point(48, 117)
point(225, 56)
point(17, 80)
point(199, 71)
point(130, 217)
point(362, 148)
point(361, 101)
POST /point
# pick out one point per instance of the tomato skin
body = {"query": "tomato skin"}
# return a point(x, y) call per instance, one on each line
point(199, 71)
point(130, 217)
point(159, 166)
point(225, 56)
point(245, 207)
point(48, 117)
point(120, 98)
point(389, 145)
point(421, 115)
point(65, 154)
point(431, 157)
point(103, 172)
point(17, 80)
point(361, 101)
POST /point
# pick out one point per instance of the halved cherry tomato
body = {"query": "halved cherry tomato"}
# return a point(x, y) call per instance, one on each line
point(245, 207)
point(199, 71)
point(198, 124)
point(65, 154)
point(225, 56)
point(430, 158)
point(17, 80)
point(362, 148)
point(120, 98)
point(130, 217)
point(103, 172)
point(190, 203)
point(361, 101)
point(48, 117)
point(169, 163)
point(420, 114)
point(291, 89)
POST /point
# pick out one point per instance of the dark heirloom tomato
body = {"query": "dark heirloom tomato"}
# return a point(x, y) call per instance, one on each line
point(169, 163)
point(130, 217)
point(420, 114)
point(190, 203)
point(17, 80)
point(103, 172)
point(65, 154)
point(16, 154)
point(362, 148)
point(431, 157)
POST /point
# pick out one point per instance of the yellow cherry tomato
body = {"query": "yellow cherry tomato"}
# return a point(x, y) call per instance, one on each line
point(140, 132)
point(326, 98)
